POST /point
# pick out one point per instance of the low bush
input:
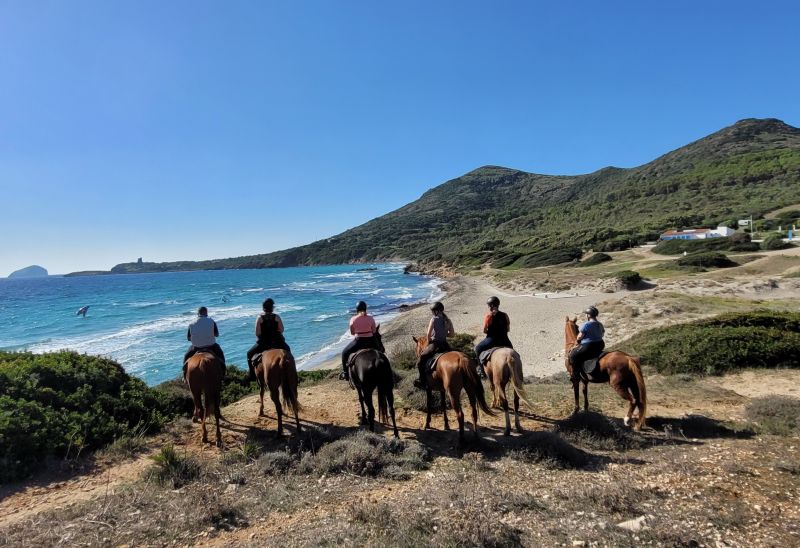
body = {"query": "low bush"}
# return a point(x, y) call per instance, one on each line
point(172, 469)
point(628, 278)
point(779, 415)
point(596, 259)
point(677, 247)
point(773, 242)
point(549, 257)
point(725, 343)
point(60, 404)
point(706, 260)
point(367, 454)
point(551, 449)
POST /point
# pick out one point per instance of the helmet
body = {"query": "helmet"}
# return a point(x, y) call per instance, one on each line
point(493, 301)
point(437, 306)
point(268, 304)
point(592, 311)
point(361, 306)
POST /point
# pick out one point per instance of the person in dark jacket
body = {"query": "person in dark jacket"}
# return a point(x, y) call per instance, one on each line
point(269, 334)
point(590, 339)
point(496, 325)
point(439, 328)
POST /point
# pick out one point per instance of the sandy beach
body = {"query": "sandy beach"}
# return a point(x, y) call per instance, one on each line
point(537, 321)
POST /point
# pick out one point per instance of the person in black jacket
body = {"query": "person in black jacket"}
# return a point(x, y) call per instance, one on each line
point(269, 334)
point(496, 325)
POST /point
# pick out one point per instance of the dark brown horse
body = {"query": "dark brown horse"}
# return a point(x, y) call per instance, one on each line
point(277, 371)
point(204, 375)
point(505, 366)
point(622, 371)
point(454, 372)
point(370, 369)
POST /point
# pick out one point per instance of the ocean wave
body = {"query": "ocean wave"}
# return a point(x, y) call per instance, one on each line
point(253, 290)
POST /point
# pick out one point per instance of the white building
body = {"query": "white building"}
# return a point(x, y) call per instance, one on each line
point(698, 233)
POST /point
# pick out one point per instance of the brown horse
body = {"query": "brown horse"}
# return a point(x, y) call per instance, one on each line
point(503, 366)
point(622, 371)
point(277, 371)
point(204, 375)
point(454, 371)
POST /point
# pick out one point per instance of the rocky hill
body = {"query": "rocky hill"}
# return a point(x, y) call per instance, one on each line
point(33, 271)
point(507, 217)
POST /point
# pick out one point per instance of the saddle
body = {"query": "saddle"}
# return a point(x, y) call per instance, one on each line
point(431, 363)
point(352, 359)
point(487, 354)
point(591, 367)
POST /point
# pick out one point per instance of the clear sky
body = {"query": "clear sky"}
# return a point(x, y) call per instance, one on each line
point(195, 129)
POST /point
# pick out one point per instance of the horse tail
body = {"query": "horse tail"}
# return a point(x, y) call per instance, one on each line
point(635, 365)
point(289, 384)
point(517, 380)
point(385, 385)
point(472, 382)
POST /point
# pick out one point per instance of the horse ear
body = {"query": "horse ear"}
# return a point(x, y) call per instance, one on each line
point(575, 319)
point(415, 339)
point(567, 319)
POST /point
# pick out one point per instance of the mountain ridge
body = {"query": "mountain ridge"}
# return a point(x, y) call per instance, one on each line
point(508, 217)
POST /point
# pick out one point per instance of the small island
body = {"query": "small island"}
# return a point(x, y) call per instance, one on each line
point(33, 271)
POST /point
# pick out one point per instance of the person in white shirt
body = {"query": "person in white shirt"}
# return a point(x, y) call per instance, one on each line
point(203, 333)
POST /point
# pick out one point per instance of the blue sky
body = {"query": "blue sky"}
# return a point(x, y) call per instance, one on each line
point(194, 129)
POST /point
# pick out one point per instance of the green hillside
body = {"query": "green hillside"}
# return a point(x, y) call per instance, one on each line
point(508, 217)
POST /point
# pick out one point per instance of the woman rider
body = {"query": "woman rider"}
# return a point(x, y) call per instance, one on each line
point(363, 327)
point(496, 325)
point(439, 328)
point(269, 334)
point(590, 340)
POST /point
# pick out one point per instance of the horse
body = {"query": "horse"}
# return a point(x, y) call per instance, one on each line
point(277, 371)
point(204, 375)
point(454, 371)
point(622, 371)
point(503, 366)
point(370, 369)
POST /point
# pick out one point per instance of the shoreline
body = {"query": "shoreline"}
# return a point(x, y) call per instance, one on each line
point(537, 321)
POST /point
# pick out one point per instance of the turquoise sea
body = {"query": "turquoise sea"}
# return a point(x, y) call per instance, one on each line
point(140, 320)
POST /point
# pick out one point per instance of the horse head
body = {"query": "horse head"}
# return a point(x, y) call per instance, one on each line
point(571, 329)
point(421, 343)
point(379, 339)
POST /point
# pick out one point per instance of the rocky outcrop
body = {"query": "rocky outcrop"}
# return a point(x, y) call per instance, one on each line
point(33, 271)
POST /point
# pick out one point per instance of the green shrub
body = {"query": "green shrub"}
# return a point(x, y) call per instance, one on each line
point(722, 344)
point(595, 259)
point(628, 278)
point(60, 404)
point(549, 257)
point(773, 242)
point(172, 469)
point(677, 247)
point(706, 260)
point(779, 415)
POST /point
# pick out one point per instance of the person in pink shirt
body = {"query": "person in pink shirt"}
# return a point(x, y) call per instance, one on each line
point(363, 327)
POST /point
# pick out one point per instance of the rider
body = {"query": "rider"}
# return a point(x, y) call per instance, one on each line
point(590, 339)
point(269, 334)
point(203, 335)
point(439, 328)
point(496, 325)
point(363, 327)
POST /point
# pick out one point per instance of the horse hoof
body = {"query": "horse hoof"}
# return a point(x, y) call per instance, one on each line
point(626, 421)
point(519, 430)
point(507, 432)
point(219, 443)
point(195, 420)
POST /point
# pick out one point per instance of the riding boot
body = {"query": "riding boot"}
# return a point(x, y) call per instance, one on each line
point(345, 376)
point(481, 370)
point(185, 365)
point(422, 381)
point(252, 377)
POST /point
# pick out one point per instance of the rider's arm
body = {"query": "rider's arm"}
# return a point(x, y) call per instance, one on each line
point(258, 327)
point(429, 332)
point(449, 327)
point(280, 323)
point(508, 323)
point(352, 330)
point(189, 335)
point(486, 321)
point(216, 331)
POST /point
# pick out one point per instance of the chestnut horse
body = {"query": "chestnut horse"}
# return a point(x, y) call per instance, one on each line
point(277, 371)
point(622, 371)
point(370, 369)
point(503, 366)
point(454, 371)
point(204, 375)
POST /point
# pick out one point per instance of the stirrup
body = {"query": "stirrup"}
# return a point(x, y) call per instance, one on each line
point(344, 376)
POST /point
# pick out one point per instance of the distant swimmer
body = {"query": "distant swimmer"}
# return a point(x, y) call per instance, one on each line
point(82, 311)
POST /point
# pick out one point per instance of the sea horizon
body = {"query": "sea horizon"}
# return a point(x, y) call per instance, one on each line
point(140, 320)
